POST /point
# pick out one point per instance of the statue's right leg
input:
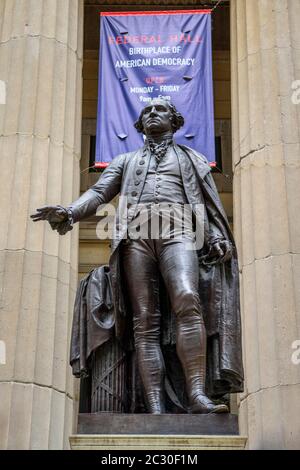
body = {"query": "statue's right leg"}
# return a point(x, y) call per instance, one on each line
point(142, 286)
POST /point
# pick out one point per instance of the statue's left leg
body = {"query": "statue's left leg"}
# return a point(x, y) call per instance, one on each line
point(180, 271)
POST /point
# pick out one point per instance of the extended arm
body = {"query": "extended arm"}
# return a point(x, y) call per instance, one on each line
point(106, 188)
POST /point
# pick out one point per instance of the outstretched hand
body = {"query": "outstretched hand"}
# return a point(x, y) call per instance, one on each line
point(50, 213)
point(57, 216)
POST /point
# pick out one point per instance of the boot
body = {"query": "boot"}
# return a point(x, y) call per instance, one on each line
point(152, 372)
point(203, 405)
point(155, 401)
point(195, 386)
point(191, 349)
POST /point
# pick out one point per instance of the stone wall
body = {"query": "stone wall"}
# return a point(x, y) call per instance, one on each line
point(266, 164)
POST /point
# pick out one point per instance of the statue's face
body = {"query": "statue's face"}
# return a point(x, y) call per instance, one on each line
point(157, 117)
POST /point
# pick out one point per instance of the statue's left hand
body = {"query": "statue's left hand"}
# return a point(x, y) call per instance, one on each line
point(221, 251)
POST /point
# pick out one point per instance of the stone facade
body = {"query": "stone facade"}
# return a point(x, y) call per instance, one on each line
point(266, 163)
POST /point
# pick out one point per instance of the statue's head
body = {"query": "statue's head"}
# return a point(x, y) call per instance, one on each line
point(159, 117)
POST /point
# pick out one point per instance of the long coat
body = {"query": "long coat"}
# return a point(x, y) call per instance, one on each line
point(219, 283)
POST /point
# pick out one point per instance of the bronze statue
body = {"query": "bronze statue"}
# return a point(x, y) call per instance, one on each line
point(202, 284)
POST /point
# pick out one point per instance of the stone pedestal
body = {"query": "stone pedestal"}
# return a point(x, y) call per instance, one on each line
point(156, 442)
point(166, 424)
point(40, 134)
point(113, 431)
point(265, 57)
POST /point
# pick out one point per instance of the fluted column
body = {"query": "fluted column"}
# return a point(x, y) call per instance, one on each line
point(265, 51)
point(40, 133)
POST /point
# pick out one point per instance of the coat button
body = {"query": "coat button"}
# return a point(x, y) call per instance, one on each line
point(142, 162)
point(139, 172)
point(137, 183)
point(134, 193)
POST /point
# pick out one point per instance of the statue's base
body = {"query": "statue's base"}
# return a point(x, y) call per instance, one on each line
point(156, 442)
point(112, 431)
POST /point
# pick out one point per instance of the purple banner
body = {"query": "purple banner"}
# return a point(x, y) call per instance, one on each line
point(154, 54)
